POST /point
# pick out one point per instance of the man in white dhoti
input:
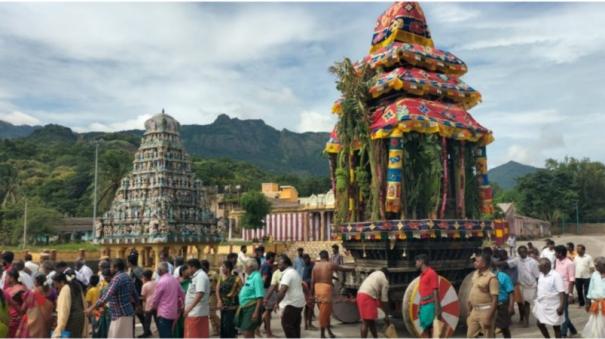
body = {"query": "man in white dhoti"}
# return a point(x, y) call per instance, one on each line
point(528, 273)
point(595, 304)
point(548, 307)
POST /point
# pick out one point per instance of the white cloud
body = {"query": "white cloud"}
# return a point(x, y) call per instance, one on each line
point(137, 123)
point(108, 66)
point(316, 122)
point(19, 118)
point(451, 13)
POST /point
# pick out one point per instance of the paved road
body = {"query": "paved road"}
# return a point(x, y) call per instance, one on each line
point(578, 316)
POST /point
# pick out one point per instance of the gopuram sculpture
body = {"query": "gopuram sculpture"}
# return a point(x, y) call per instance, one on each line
point(160, 205)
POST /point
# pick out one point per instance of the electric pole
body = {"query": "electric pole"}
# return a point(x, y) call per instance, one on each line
point(25, 225)
point(577, 218)
point(94, 206)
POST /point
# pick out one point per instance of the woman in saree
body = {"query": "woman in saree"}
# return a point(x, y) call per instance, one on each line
point(38, 310)
point(227, 290)
point(248, 316)
point(3, 316)
point(101, 315)
point(70, 307)
point(13, 294)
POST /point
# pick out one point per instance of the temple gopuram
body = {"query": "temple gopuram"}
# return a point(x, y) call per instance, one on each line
point(160, 206)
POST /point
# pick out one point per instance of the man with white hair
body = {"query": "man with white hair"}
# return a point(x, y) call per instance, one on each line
point(167, 300)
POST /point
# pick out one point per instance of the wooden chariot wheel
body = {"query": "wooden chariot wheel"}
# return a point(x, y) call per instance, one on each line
point(344, 308)
point(450, 306)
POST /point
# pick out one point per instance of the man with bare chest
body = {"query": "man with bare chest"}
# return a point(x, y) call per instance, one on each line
point(322, 286)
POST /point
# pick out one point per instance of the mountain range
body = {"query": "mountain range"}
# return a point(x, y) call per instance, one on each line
point(250, 140)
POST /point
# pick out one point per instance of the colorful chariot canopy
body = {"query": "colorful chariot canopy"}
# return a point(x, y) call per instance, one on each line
point(422, 116)
point(402, 22)
point(418, 82)
point(425, 116)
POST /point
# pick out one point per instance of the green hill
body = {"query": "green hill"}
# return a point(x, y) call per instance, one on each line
point(252, 141)
point(9, 131)
point(506, 175)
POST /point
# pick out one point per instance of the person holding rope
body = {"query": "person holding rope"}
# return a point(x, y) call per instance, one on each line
point(373, 293)
point(322, 288)
point(428, 288)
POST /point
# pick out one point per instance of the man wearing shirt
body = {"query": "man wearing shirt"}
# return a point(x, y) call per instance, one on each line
point(584, 268)
point(299, 263)
point(167, 300)
point(83, 272)
point(291, 298)
point(197, 307)
point(483, 299)
point(506, 303)
point(595, 303)
point(566, 268)
point(428, 288)
point(548, 307)
point(549, 252)
point(373, 293)
point(121, 296)
point(30, 265)
point(527, 275)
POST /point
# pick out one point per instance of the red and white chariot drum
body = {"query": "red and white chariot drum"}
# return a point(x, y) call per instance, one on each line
point(450, 306)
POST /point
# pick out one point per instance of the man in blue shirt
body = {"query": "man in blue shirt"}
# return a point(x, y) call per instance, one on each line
point(506, 303)
point(299, 263)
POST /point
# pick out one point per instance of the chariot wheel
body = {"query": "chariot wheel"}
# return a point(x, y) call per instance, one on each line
point(450, 307)
point(344, 307)
point(463, 294)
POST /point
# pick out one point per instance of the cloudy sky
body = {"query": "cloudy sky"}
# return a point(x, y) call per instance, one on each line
point(110, 66)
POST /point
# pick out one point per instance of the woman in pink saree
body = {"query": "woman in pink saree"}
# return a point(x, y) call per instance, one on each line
point(37, 318)
point(13, 294)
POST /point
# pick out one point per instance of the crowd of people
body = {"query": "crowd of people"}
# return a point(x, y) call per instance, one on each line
point(540, 282)
point(181, 298)
point(185, 299)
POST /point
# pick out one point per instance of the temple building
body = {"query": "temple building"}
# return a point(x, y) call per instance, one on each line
point(160, 206)
point(292, 218)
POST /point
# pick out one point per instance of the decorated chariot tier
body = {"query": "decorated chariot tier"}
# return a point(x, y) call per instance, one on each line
point(408, 163)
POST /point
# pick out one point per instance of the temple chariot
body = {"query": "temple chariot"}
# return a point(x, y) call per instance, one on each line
point(408, 167)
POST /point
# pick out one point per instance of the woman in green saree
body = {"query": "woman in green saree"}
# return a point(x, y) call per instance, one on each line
point(227, 290)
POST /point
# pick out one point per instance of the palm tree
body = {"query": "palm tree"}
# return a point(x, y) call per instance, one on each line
point(114, 164)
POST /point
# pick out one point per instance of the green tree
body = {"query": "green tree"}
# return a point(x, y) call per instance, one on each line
point(553, 192)
point(256, 207)
point(41, 221)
